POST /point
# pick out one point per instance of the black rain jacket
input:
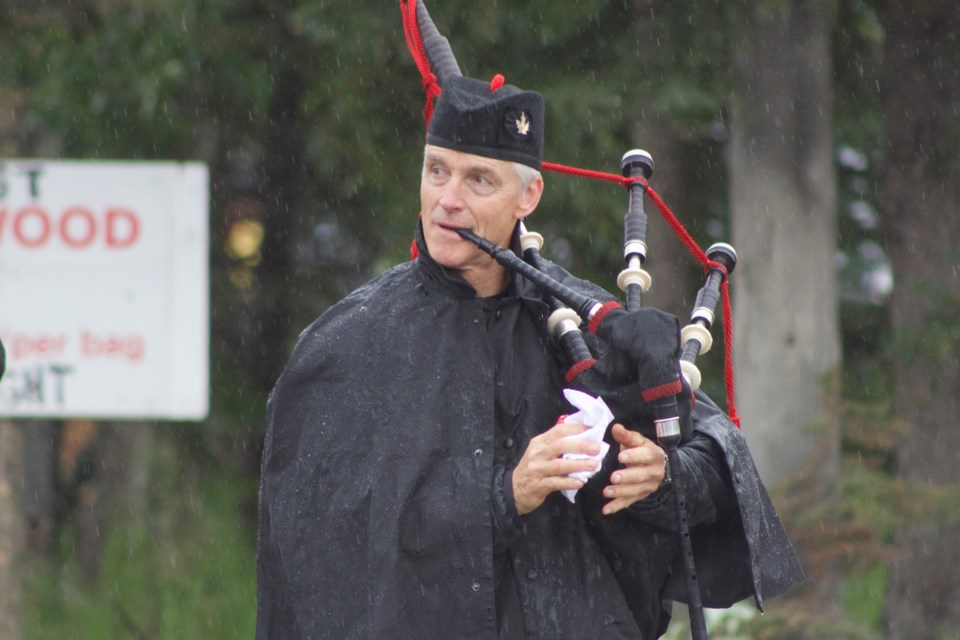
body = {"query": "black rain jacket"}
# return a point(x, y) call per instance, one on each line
point(382, 500)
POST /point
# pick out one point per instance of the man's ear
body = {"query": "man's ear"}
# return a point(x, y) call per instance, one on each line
point(530, 198)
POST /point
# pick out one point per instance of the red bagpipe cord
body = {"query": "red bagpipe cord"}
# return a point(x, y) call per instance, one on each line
point(693, 248)
point(411, 30)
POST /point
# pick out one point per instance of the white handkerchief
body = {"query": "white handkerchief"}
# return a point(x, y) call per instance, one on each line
point(594, 413)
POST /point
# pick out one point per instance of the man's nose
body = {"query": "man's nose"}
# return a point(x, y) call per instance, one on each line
point(451, 198)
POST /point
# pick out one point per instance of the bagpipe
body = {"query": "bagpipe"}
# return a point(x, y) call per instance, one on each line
point(645, 368)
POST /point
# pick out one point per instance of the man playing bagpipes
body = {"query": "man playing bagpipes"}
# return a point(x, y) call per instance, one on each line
point(419, 478)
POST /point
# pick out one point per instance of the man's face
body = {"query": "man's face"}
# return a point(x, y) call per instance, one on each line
point(461, 190)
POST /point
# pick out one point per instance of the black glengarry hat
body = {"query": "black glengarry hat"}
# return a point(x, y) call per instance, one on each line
point(493, 120)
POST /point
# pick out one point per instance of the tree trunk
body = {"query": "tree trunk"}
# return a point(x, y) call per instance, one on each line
point(783, 197)
point(11, 446)
point(920, 202)
point(283, 181)
point(40, 501)
point(11, 532)
point(786, 316)
point(670, 263)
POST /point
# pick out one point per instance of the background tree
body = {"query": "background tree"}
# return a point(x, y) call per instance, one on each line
point(784, 207)
point(11, 533)
point(921, 198)
point(784, 204)
point(11, 444)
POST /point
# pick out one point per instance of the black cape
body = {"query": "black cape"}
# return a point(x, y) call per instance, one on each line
point(375, 500)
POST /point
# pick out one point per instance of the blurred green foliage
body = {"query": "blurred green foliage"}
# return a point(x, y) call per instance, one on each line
point(183, 569)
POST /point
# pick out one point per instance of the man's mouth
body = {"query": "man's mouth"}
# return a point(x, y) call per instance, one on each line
point(451, 228)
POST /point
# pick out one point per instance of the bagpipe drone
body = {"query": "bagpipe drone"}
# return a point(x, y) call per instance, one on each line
point(647, 370)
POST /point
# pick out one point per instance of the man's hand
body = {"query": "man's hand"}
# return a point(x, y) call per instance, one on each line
point(542, 471)
point(643, 471)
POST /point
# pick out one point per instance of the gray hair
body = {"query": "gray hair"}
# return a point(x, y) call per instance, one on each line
point(527, 175)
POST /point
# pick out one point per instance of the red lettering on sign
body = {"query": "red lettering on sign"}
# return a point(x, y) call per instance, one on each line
point(38, 345)
point(78, 227)
point(123, 228)
point(129, 347)
point(77, 218)
point(22, 222)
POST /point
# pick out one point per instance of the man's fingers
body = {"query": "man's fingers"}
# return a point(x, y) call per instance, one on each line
point(557, 441)
point(628, 438)
point(622, 496)
point(542, 472)
point(560, 483)
point(646, 454)
point(640, 477)
point(637, 475)
point(566, 466)
point(569, 445)
point(562, 430)
point(617, 505)
point(637, 490)
point(545, 484)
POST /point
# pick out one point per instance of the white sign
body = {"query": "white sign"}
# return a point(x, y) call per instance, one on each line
point(104, 294)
